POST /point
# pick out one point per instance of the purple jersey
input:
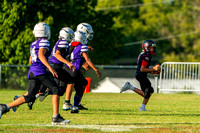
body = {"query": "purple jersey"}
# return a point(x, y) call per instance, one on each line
point(37, 67)
point(76, 56)
point(63, 47)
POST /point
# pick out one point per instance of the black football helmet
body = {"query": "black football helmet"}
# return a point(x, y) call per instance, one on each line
point(147, 44)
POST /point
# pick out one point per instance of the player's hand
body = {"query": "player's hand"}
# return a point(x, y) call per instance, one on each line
point(90, 48)
point(54, 73)
point(71, 66)
point(86, 66)
point(157, 68)
point(98, 73)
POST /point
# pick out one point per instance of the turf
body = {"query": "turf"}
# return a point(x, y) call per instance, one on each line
point(108, 112)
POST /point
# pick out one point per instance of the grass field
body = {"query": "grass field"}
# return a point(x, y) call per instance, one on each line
point(108, 113)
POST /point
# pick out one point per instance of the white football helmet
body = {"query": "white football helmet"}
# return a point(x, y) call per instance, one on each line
point(66, 33)
point(86, 29)
point(80, 37)
point(42, 30)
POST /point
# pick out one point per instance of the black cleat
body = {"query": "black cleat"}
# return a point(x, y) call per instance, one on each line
point(81, 107)
point(74, 110)
point(30, 105)
point(59, 120)
point(3, 109)
point(44, 95)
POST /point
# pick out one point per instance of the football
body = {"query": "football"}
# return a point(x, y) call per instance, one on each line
point(157, 67)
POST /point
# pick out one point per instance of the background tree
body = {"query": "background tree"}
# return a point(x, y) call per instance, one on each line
point(17, 20)
point(173, 24)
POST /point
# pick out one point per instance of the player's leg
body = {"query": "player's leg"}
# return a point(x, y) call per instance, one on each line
point(79, 86)
point(67, 105)
point(128, 86)
point(32, 91)
point(80, 106)
point(147, 89)
point(48, 81)
point(16, 97)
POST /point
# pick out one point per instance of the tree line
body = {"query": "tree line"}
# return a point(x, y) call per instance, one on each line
point(119, 27)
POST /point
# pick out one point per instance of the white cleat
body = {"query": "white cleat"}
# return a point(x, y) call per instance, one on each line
point(142, 109)
point(67, 106)
point(126, 87)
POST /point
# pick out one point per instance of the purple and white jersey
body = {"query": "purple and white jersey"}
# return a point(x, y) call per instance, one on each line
point(37, 67)
point(76, 56)
point(63, 47)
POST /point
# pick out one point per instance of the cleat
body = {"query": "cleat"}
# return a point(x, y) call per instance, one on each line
point(74, 110)
point(30, 105)
point(44, 95)
point(67, 106)
point(3, 109)
point(15, 108)
point(126, 87)
point(59, 120)
point(81, 107)
point(142, 109)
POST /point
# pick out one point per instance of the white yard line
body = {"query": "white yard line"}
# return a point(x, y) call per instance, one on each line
point(106, 128)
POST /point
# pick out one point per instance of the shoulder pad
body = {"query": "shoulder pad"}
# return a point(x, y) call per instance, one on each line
point(84, 48)
point(44, 43)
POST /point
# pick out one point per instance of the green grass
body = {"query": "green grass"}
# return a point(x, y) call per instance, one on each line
point(108, 112)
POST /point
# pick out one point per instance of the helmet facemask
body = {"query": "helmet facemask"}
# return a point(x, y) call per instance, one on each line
point(86, 29)
point(67, 34)
point(80, 37)
point(149, 47)
point(153, 49)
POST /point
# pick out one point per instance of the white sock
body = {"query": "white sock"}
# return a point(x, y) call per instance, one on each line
point(54, 116)
point(143, 105)
point(7, 106)
point(132, 88)
point(37, 95)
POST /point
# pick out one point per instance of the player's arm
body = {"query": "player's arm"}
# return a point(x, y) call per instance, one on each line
point(147, 70)
point(60, 58)
point(30, 60)
point(42, 58)
point(86, 66)
point(89, 62)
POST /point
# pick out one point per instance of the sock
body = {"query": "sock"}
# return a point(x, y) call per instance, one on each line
point(132, 88)
point(143, 105)
point(77, 100)
point(54, 116)
point(7, 106)
point(50, 92)
point(67, 101)
point(37, 95)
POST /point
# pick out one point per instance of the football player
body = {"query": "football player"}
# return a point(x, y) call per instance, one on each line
point(143, 63)
point(40, 51)
point(89, 33)
point(78, 57)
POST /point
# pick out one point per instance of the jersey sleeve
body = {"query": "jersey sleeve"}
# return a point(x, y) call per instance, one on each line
point(146, 61)
point(44, 44)
point(62, 46)
point(84, 48)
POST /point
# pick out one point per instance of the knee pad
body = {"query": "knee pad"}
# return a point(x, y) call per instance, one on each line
point(29, 98)
point(61, 91)
point(147, 93)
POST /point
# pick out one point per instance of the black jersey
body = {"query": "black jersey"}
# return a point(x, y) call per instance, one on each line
point(144, 59)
